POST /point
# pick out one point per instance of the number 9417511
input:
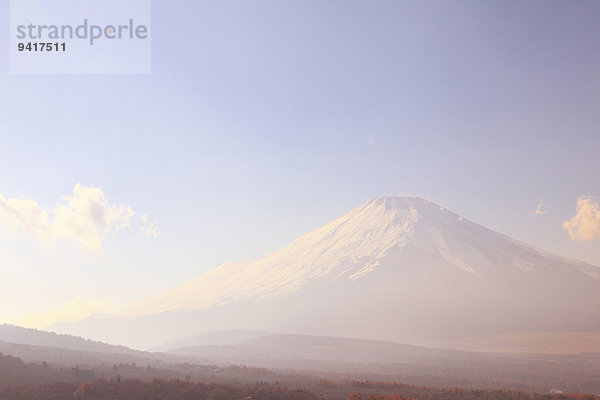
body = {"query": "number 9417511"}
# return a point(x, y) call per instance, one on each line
point(36, 46)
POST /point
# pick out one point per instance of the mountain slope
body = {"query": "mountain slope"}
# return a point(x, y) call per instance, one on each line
point(401, 269)
point(34, 337)
point(36, 345)
point(352, 246)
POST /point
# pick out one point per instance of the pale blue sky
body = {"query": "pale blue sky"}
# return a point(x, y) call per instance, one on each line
point(263, 120)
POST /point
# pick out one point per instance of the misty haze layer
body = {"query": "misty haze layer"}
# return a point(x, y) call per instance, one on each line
point(401, 269)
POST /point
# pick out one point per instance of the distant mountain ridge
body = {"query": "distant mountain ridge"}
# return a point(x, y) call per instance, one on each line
point(218, 338)
point(395, 268)
point(19, 335)
point(320, 348)
point(33, 345)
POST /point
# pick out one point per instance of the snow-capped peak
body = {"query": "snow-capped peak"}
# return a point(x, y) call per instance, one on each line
point(350, 248)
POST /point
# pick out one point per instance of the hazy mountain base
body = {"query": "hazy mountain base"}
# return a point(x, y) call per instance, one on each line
point(288, 357)
point(399, 269)
point(529, 342)
point(420, 306)
point(411, 364)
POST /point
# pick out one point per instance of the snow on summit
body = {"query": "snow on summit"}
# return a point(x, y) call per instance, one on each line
point(395, 268)
point(354, 246)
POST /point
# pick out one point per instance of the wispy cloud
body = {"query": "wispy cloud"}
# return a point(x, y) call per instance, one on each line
point(85, 217)
point(539, 210)
point(148, 228)
point(585, 225)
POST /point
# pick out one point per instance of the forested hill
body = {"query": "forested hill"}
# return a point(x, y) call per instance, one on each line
point(19, 335)
point(19, 380)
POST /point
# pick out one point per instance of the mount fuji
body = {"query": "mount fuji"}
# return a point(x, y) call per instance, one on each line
point(395, 268)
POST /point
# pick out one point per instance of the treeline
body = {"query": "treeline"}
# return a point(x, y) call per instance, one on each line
point(157, 389)
point(27, 381)
point(369, 390)
point(133, 389)
point(468, 395)
point(13, 371)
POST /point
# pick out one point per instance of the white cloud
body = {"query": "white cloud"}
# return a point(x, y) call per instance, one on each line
point(85, 216)
point(585, 225)
point(25, 215)
point(540, 210)
point(370, 141)
point(148, 228)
